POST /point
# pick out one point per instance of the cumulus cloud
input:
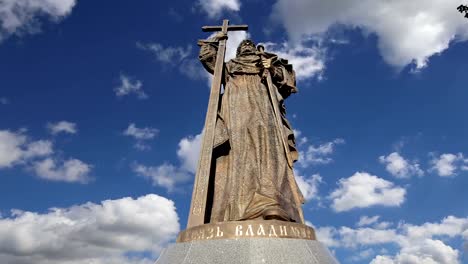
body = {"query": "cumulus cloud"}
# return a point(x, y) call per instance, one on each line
point(18, 17)
point(62, 127)
point(141, 135)
point(128, 86)
point(168, 175)
point(165, 175)
point(328, 236)
point(171, 55)
point(352, 238)
point(234, 39)
point(71, 170)
point(407, 31)
point(365, 190)
point(189, 151)
point(428, 251)
point(316, 155)
point(426, 243)
point(399, 166)
point(300, 140)
point(448, 164)
point(176, 57)
point(185, 61)
point(309, 185)
point(307, 61)
point(16, 148)
point(213, 8)
point(367, 220)
point(109, 232)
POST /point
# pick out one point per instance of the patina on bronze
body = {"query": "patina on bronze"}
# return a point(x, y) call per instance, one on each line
point(198, 214)
point(245, 171)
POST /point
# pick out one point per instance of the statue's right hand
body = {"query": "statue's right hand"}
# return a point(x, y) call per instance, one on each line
point(221, 35)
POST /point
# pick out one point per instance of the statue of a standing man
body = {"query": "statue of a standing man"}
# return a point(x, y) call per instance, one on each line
point(252, 177)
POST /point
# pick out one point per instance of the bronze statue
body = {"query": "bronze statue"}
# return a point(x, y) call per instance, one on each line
point(246, 163)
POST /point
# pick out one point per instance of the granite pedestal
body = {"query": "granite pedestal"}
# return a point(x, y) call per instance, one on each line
point(247, 251)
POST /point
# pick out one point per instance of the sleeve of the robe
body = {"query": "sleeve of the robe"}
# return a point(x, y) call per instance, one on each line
point(207, 55)
point(284, 78)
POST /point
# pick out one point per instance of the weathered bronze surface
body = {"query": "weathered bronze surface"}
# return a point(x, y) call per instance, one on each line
point(247, 229)
point(245, 171)
point(197, 214)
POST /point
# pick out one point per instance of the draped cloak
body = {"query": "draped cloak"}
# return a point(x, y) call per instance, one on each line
point(251, 172)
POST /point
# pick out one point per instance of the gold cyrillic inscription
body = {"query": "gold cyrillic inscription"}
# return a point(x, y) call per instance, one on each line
point(261, 231)
point(272, 231)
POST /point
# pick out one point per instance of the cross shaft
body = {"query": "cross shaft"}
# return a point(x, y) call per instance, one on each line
point(199, 213)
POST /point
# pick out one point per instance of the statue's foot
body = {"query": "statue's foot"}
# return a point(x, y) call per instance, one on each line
point(275, 214)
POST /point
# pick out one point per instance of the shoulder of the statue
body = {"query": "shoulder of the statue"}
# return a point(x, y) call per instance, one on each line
point(277, 61)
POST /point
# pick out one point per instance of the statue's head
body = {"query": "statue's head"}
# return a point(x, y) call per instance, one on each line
point(246, 47)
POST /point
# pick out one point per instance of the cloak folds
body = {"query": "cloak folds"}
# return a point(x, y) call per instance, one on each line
point(252, 178)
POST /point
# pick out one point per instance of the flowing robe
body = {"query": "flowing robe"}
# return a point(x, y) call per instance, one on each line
point(251, 172)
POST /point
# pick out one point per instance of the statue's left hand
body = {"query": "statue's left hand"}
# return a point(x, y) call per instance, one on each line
point(266, 63)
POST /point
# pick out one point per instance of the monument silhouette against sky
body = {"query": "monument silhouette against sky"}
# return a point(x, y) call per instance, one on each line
point(246, 205)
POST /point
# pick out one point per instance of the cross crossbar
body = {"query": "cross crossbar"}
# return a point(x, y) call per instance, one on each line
point(229, 28)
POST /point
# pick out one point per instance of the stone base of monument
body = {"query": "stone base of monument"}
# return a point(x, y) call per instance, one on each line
point(247, 242)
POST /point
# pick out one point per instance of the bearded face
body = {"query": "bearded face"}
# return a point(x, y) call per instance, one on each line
point(246, 47)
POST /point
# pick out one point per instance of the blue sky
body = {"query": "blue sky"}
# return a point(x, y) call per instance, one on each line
point(102, 104)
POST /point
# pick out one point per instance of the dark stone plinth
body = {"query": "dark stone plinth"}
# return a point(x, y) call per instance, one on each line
point(248, 251)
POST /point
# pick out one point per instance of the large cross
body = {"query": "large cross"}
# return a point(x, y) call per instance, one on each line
point(198, 214)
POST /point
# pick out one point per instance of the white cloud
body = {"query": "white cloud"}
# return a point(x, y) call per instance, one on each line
point(448, 164)
point(234, 39)
point(366, 220)
point(407, 31)
point(327, 236)
point(165, 175)
point(309, 185)
point(362, 255)
point(4, 100)
point(189, 151)
point(62, 126)
point(175, 56)
point(315, 155)
point(71, 170)
point(300, 140)
point(450, 226)
point(38, 148)
point(185, 61)
point(416, 243)
point(308, 62)
point(168, 175)
point(141, 135)
point(18, 17)
point(90, 233)
point(399, 166)
point(16, 148)
point(214, 7)
point(364, 190)
point(428, 251)
point(170, 55)
point(352, 238)
point(128, 86)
